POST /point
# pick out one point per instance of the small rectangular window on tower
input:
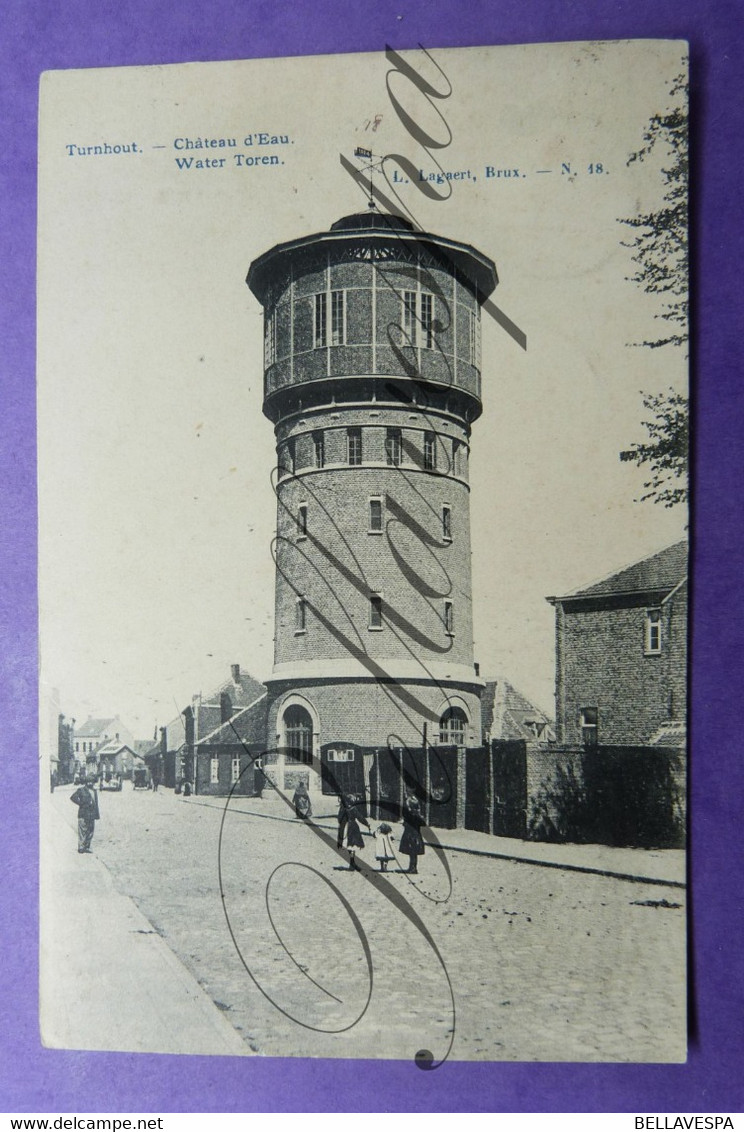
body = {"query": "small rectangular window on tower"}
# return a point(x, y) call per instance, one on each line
point(375, 516)
point(430, 451)
point(455, 457)
point(270, 339)
point(375, 611)
point(320, 335)
point(446, 522)
point(354, 446)
point(652, 635)
point(300, 615)
point(427, 320)
point(449, 618)
point(393, 447)
point(338, 318)
point(319, 447)
point(302, 520)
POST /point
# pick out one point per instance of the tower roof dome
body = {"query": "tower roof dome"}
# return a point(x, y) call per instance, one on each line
point(359, 221)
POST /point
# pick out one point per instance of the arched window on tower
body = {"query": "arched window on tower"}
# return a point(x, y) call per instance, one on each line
point(452, 727)
point(298, 733)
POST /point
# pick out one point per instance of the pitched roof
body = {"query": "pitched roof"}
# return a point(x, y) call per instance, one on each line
point(114, 747)
point(246, 726)
point(659, 572)
point(94, 726)
point(144, 746)
point(242, 691)
point(507, 714)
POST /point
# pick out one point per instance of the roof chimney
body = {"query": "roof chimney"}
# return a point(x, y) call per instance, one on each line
point(235, 669)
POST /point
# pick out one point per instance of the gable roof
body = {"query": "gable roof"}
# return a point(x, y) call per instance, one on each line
point(242, 690)
point(94, 726)
point(661, 572)
point(246, 726)
point(115, 747)
point(507, 714)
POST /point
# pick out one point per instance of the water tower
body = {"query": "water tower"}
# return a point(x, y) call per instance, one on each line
point(372, 382)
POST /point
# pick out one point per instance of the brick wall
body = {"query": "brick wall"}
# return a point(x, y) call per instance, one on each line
point(373, 715)
point(602, 662)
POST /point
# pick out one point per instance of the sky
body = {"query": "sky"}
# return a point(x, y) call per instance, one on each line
point(155, 504)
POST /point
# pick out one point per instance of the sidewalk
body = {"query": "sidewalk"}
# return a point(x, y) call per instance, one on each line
point(648, 866)
point(82, 999)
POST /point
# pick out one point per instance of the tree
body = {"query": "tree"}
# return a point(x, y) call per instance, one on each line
point(660, 252)
point(666, 450)
point(660, 248)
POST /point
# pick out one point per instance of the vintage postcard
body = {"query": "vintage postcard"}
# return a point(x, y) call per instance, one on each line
point(362, 432)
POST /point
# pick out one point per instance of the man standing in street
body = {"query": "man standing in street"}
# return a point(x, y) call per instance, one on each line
point(86, 800)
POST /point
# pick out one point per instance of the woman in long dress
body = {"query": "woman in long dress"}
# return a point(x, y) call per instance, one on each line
point(412, 843)
point(349, 833)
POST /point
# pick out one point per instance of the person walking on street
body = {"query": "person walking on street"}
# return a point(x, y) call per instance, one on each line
point(301, 801)
point(86, 800)
point(412, 843)
point(349, 833)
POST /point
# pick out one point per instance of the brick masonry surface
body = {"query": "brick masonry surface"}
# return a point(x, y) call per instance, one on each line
point(602, 663)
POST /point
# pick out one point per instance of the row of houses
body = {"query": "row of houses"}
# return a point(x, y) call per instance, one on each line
point(621, 651)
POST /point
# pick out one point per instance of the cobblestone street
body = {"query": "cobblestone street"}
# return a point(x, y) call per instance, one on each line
point(502, 960)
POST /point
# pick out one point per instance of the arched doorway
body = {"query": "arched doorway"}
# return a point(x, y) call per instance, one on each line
point(298, 733)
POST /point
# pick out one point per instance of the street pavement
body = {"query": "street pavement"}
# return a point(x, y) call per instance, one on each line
point(108, 981)
point(238, 929)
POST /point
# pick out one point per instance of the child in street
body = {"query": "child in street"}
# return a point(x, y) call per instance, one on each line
point(384, 845)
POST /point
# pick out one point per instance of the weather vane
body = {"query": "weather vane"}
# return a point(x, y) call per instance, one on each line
point(374, 162)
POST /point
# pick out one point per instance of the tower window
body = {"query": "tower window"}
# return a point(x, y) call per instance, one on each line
point(455, 457)
point(333, 333)
point(270, 339)
point(302, 520)
point(447, 523)
point(354, 446)
point(452, 727)
point(430, 451)
point(393, 447)
point(301, 615)
point(418, 318)
point(320, 336)
point(589, 724)
point(652, 637)
point(338, 318)
point(410, 323)
point(427, 320)
point(449, 618)
point(375, 611)
point(298, 733)
point(319, 447)
point(375, 516)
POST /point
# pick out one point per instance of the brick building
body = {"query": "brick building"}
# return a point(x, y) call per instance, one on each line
point(209, 720)
point(372, 382)
point(621, 655)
